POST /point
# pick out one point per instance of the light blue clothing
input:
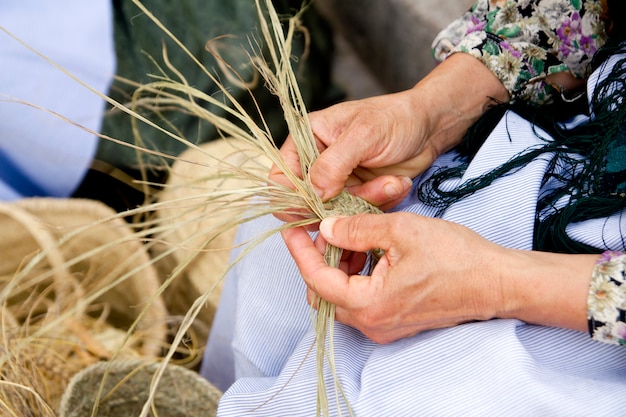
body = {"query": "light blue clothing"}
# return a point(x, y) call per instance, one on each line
point(41, 155)
point(262, 338)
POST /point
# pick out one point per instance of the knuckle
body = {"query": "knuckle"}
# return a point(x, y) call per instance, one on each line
point(403, 224)
point(355, 226)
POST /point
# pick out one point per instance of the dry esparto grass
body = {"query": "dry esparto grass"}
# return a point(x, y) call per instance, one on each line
point(258, 197)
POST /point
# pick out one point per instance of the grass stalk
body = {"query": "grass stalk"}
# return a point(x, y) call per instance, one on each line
point(261, 197)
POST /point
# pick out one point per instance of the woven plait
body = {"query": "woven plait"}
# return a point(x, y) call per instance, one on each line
point(346, 204)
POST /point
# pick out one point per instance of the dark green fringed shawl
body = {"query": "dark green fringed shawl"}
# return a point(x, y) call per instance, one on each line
point(594, 184)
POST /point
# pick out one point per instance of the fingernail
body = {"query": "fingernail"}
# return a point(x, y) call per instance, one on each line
point(392, 189)
point(407, 182)
point(326, 227)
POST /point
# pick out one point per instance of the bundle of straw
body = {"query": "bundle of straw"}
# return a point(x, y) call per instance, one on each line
point(75, 289)
point(260, 197)
point(204, 263)
point(257, 198)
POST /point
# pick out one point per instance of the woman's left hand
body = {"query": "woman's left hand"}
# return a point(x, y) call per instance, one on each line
point(434, 274)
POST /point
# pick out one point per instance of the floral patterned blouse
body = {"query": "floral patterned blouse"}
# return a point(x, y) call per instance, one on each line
point(606, 302)
point(523, 41)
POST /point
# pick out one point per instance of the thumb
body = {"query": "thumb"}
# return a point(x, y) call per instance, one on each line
point(331, 170)
point(359, 233)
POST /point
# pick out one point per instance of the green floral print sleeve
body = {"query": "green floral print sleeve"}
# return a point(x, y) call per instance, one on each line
point(606, 301)
point(523, 41)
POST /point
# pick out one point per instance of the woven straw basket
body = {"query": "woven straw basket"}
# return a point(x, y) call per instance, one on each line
point(68, 305)
point(197, 220)
point(180, 392)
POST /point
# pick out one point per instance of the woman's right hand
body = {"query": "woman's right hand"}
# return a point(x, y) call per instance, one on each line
point(369, 146)
point(372, 146)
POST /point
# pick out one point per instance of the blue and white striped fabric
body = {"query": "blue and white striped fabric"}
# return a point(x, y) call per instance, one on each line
point(262, 338)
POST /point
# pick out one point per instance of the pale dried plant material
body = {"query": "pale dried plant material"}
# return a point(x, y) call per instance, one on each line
point(270, 198)
point(69, 272)
point(260, 197)
point(183, 393)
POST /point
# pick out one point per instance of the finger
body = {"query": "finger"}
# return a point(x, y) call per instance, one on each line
point(360, 233)
point(330, 283)
point(384, 192)
point(297, 239)
point(333, 167)
point(351, 262)
point(354, 263)
point(291, 159)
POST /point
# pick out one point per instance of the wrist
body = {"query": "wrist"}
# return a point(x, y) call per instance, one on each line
point(546, 289)
point(451, 112)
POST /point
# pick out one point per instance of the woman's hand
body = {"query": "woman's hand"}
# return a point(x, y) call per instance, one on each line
point(433, 273)
point(367, 146)
point(372, 146)
point(436, 274)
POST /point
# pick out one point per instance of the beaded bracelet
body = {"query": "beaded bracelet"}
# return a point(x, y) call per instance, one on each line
point(606, 301)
